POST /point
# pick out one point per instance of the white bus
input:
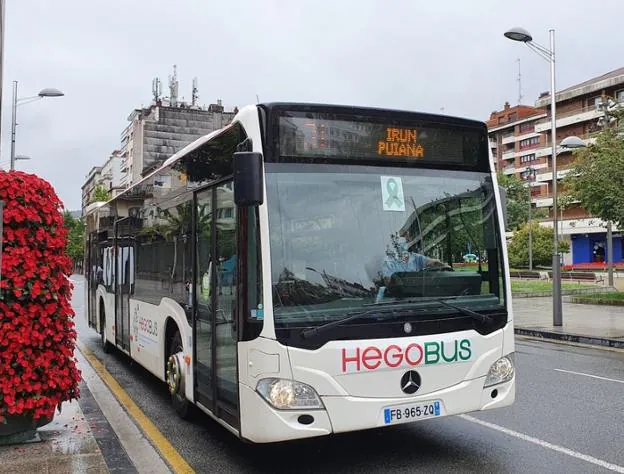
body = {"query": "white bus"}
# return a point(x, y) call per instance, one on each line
point(301, 272)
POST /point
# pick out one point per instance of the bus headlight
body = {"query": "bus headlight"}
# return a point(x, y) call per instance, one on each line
point(288, 394)
point(501, 371)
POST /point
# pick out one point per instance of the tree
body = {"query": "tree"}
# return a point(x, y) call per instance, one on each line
point(100, 194)
point(518, 197)
point(597, 179)
point(75, 237)
point(542, 238)
point(517, 200)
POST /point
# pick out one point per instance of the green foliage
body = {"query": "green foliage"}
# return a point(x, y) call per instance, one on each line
point(75, 237)
point(542, 240)
point(597, 179)
point(517, 200)
point(100, 194)
point(518, 197)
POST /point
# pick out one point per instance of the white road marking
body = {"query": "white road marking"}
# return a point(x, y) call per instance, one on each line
point(546, 444)
point(590, 375)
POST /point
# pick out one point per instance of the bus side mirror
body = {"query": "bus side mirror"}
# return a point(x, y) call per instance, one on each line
point(248, 182)
point(503, 199)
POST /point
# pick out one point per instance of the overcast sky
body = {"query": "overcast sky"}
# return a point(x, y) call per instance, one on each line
point(418, 55)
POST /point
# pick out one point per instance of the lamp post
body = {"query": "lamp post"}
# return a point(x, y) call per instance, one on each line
point(43, 93)
point(522, 35)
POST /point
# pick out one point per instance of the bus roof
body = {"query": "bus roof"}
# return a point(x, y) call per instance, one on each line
point(348, 109)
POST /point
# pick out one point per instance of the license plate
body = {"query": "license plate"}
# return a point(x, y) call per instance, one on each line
point(416, 411)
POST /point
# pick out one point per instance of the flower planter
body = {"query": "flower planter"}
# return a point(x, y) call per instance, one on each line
point(38, 370)
point(21, 428)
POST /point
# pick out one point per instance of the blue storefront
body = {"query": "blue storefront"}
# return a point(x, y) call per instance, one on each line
point(590, 248)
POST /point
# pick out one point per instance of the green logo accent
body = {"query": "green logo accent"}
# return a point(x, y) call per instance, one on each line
point(465, 352)
point(393, 193)
point(455, 351)
point(432, 352)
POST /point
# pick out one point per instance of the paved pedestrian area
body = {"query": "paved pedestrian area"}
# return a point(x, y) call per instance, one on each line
point(66, 445)
point(595, 321)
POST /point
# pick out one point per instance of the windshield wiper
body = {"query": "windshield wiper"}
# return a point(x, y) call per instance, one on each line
point(311, 332)
point(482, 318)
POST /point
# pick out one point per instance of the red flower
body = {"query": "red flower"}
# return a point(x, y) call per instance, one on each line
point(37, 336)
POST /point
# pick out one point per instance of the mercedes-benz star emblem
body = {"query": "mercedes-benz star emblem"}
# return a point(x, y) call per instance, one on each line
point(410, 382)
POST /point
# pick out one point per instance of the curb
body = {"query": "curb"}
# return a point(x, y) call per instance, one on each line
point(564, 292)
point(576, 338)
point(602, 302)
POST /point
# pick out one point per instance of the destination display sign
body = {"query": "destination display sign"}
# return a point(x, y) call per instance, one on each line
point(323, 136)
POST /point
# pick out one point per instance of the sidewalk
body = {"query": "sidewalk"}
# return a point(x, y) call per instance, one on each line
point(584, 323)
point(92, 435)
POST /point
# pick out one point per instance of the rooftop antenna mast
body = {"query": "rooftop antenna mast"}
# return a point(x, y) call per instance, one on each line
point(195, 93)
point(156, 89)
point(173, 87)
point(519, 83)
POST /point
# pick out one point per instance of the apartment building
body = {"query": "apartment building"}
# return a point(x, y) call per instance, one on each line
point(91, 182)
point(157, 132)
point(520, 138)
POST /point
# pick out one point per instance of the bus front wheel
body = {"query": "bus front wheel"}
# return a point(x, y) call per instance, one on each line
point(175, 376)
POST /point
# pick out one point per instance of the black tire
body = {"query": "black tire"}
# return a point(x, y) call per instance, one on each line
point(106, 346)
point(180, 404)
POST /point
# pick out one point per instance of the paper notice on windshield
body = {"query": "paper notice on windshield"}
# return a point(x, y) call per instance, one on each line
point(392, 193)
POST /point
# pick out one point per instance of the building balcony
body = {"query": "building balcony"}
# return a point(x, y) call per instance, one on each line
point(535, 166)
point(589, 138)
point(516, 138)
point(509, 170)
point(586, 225)
point(542, 201)
point(511, 138)
point(561, 173)
point(570, 118)
point(509, 155)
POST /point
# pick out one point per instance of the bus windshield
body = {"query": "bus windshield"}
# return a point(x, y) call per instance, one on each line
point(345, 238)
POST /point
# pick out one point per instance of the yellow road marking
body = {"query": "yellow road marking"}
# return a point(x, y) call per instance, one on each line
point(169, 454)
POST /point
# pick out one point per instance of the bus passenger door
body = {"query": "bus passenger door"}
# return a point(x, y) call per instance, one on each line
point(204, 316)
point(124, 271)
point(92, 271)
point(226, 257)
point(216, 365)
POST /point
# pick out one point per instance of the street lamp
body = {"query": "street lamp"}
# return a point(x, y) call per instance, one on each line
point(43, 93)
point(21, 158)
point(522, 35)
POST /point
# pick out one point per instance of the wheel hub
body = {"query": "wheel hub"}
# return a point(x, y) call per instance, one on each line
point(175, 373)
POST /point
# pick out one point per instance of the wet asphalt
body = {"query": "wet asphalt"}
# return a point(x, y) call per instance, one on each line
point(568, 417)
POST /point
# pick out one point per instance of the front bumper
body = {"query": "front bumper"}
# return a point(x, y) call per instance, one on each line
point(260, 423)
